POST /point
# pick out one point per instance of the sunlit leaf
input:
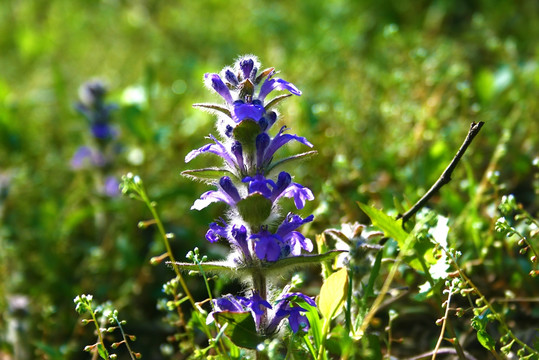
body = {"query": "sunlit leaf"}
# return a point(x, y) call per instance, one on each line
point(333, 293)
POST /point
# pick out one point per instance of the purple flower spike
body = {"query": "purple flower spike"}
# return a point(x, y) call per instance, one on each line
point(214, 80)
point(300, 194)
point(242, 111)
point(281, 139)
point(267, 245)
point(276, 84)
point(260, 184)
point(102, 131)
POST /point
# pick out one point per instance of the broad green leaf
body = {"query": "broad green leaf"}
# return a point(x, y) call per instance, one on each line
point(246, 132)
point(241, 328)
point(255, 208)
point(391, 227)
point(333, 293)
point(208, 174)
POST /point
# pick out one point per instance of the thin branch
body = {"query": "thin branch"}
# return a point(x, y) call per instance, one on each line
point(446, 175)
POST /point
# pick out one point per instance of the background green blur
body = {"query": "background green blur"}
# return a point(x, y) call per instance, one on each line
point(389, 91)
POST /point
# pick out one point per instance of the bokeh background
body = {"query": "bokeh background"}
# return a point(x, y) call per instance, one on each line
point(389, 91)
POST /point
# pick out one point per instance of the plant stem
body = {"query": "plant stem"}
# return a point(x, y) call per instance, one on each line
point(446, 175)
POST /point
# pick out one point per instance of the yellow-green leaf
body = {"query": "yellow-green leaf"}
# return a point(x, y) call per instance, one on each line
point(333, 293)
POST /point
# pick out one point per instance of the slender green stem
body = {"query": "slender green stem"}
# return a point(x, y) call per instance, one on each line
point(483, 299)
point(126, 342)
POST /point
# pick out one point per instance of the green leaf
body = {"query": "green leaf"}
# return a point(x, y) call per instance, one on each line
point(208, 174)
point(210, 267)
point(246, 132)
point(254, 209)
point(241, 328)
point(332, 294)
point(239, 270)
point(286, 264)
point(276, 100)
point(486, 340)
point(102, 351)
point(391, 227)
point(278, 165)
point(214, 108)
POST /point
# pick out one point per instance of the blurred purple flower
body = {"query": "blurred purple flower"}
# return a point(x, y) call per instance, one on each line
point(112, 186)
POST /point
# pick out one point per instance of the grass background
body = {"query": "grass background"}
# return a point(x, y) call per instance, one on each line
point(389, 91)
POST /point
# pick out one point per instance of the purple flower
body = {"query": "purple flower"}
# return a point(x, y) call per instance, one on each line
point(294, 239)
point(300, 194)
point(276, 84)
point(86, 156)
point(267, 245)
point(227, 193)
point(278, 141)
point(225, 303)
point(244, 96)
point(238, 239)
point(255, 304)
point(216, 231)
point(288, 308)
point(284, 187)
point(216, 148)
point(215, 82)
point(242, 111)
point(102, 131)
point(112, 186)
point(260, 184)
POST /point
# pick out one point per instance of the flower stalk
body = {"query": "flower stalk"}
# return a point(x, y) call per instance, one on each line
point(263, 242)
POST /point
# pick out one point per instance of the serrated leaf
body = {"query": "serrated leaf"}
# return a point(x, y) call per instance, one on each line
point(391, 227)
point(207, 174)
point(214, 108)
point(278, 165)
point(210, 267)
point(333, 293)
point(241, 328)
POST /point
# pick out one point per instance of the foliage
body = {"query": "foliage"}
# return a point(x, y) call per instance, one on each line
point(389, 90)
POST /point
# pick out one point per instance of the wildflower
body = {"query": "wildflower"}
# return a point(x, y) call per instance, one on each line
point(288, 307)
